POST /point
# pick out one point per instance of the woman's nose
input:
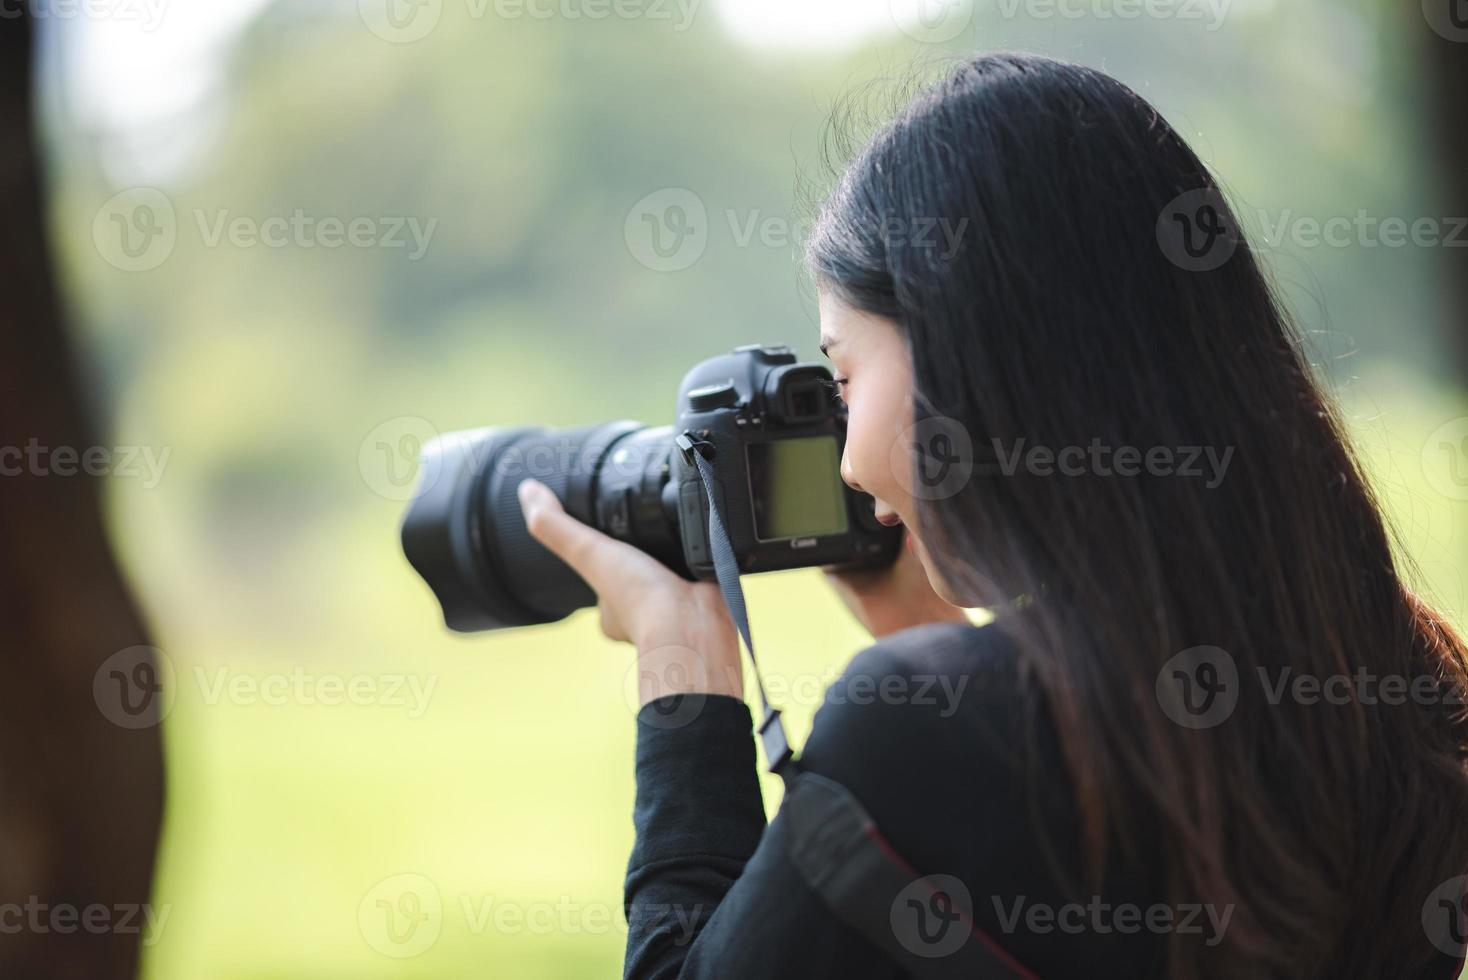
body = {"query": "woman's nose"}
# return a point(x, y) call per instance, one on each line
point(848, 475)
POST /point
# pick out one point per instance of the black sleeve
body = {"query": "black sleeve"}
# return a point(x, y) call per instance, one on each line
point(924, 729)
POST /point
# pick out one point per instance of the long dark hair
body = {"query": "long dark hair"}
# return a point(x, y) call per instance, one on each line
point(1065, 318)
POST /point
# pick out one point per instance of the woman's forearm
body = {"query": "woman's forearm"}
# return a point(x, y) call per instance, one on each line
point(698, 816)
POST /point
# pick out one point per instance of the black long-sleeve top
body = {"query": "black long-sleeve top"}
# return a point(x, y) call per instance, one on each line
point(958, 777)
point(925, 729)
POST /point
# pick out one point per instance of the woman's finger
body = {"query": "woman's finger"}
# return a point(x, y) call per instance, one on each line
point(603, 561)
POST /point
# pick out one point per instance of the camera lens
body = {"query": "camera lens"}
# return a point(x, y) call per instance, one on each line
point(464, 532)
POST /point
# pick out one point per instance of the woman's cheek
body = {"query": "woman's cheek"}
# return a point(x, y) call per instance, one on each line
point(870, 448)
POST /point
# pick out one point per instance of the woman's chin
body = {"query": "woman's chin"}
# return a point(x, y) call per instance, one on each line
point(934, 579)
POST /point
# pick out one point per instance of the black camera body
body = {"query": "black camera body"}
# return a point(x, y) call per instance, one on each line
point(777, 437)
point(771, 430)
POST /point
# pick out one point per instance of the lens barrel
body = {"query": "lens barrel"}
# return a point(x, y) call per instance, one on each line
point(464, 532)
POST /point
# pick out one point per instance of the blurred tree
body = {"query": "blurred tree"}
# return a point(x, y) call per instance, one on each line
point(80, 796)
point(1446, 62)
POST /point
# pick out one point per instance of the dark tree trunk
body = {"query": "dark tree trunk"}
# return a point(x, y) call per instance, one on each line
point(81, 779)
point(1444, 53)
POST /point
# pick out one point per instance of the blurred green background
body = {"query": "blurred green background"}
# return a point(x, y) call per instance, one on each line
point(291, 385)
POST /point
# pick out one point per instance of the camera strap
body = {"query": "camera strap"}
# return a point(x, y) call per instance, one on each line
point(835, 844)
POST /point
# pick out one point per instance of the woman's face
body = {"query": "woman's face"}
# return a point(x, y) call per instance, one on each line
point(870, 354)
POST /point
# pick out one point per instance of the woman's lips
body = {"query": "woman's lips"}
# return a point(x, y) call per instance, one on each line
point(890, 519)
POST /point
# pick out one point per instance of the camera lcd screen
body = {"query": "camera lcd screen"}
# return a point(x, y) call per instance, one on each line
point(795, 485)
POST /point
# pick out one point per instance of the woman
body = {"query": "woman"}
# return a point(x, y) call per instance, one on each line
point(1173, 752)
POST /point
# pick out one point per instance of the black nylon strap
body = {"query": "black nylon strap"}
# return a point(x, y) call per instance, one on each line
point(778, 754)
point(919, 923)
point(835, 844)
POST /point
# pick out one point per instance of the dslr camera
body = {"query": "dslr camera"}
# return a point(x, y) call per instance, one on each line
point(772, 433)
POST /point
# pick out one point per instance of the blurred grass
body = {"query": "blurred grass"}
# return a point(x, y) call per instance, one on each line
point(515, 786)
point(266, 549)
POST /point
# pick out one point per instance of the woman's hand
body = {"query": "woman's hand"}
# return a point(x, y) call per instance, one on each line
point(686, 643)
point(886, 600)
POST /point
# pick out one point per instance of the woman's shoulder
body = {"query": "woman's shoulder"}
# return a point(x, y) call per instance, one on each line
point(940, 733)
point(940, 647)
point(939, 712)
point(939, 683)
